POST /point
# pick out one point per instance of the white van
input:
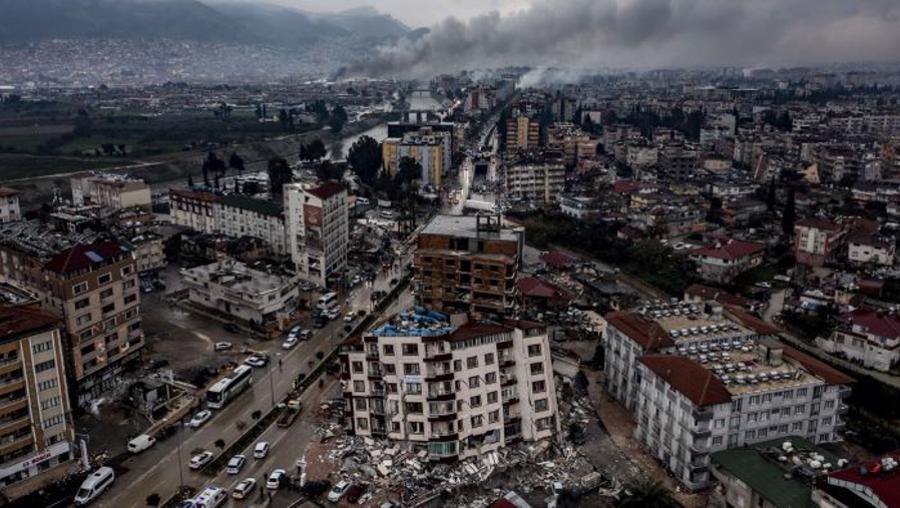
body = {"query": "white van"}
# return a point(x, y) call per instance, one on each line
point(141, 443)
point(94, 485)
point(211, 497)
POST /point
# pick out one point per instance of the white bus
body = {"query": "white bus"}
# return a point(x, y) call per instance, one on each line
point(327, 301)
point(229, 387)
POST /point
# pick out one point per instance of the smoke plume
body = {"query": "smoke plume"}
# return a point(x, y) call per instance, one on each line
point(636, 34)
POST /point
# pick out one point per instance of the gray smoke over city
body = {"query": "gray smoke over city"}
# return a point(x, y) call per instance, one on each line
point(636, 34)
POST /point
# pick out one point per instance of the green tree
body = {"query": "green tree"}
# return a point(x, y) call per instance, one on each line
point(770, 196)
point(220, 443)
point(316, 150)
point(154, 499)
point(236, 163)
point(279, 174)
point(337, 119)
point(190, 182)
point(647, 494)
point(789, 215)
point(326, 170)
point(365, 159)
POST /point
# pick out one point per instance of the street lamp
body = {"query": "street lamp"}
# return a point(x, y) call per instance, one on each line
point(272, 383)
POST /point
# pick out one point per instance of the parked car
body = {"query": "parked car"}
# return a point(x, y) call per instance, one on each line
point(94, 485)
point(349, 318)
point(200, 417)
point(320, 322)
point(333, 314)
point(201, 459)
point(338, 491)
point(141, 443)
point(235, 464)
point(244, 488)
point(305, 334)
point(257, 360)
point(289, 343)
point(222, 346)
point(261, 450)
point(275, 479)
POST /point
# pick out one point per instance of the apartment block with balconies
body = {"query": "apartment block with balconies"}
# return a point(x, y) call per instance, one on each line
point(456, 391)
point(317, 229)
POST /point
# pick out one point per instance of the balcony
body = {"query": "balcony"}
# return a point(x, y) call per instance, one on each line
point(842, 409)
point(699, 447)
point(507, 380)
point(844, 391)
point(702, 416)
point(9, 364)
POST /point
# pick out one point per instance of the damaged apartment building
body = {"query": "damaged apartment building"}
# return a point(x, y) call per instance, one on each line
point(452, 388)
point(697, 381)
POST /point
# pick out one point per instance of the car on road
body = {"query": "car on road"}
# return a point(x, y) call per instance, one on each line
point(354, 493)
point(257, 360)
point(338, 491)
point(320, 322)
point(222, 346)
point(231, 327)
point(201, 459)
point(235, 464)
point(94, 485)
point(244, 488)
point(211, 497)
point(200, 417)
point(261, 450)
point(275, 479)
point(141, 443)
point(289, 343)
point(333, 314)
point(349, 318)
point(305, 334)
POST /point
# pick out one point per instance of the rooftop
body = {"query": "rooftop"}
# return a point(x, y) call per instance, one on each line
point(84, 256)
point(259, 206)
point(878, 478)
point(236, 276)
point(18, 321)
point(7, 192)
point(327, 190)
point(466, 226)
point(730, 249)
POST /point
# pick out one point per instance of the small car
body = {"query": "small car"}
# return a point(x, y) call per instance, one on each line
point(235, 464)
point(338, 491)
point(275, 479)
point(257, 360)
point(261, 450)
point(243, 488)
point(201, 459)
point(305, 334)
point(231, 327)
point(222, 346)
point(289, 343)
point(349, 318)
point(200, 417)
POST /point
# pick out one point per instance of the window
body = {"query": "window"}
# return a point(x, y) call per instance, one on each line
point(474, 382)
point(86, 350)
point(360, 403)
point(782, 429)
point(749, 435)
point(47, 345)
point(489, 359)
point(388, 350)
point(109, 308)
point(534, 350)
point(79, 288)
point(127, 269)
point(104, 278)
point(826, 420)
point(362, 423)
point(414, 388)
point(457, 365)
point(797, 427)
point(717, 441)
point(476, 421)
point(541, 405)
point(475, 401)
point(390, 368)
point(415, 427)
point(493, 416)
point(538, 387)
point(472, 362)
point(46, 385)
point(490, 378)
point(392, 387)
point(54, 420)
point(83, 319)
point(410, 349)
point(106, 293)
point(49, 403)
point(829, 404)
point(799, 410)
point(357, 367)
point(537, 368)
point(412, 407)
point(491, 397)
point(719, 423)
point(411, 369)
point(359, 386)
point(130, 299)
point(80, 304)
point(44, 366)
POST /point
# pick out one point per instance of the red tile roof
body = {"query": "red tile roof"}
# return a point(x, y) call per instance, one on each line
point(326, 190)
point(196, 195)
point(475, 330)
point(18, 321)
point(875, 323)
point(689, 378)
point(537, 288)
point(6, 192)
point(750, 321)
point(818, 223)
point(82, 257)
point(557, 259)
point(646, 333)
point(818, 367)
point(885, 485)
point(731, 249)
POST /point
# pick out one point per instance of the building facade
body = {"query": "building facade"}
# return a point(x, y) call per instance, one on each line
point(318, 230)
point(866, 336)
point(195, 210)
point(537, 181)
point(727, 259)
point(453, 391)
point(237, 216)
point(431, 148)
point(9, 205)
point(817, 241)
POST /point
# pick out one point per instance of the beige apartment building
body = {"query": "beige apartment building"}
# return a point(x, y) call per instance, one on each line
point(36, 431)
point(453, 390)
point(318, 234)
point(110, 191)
point(9, 205)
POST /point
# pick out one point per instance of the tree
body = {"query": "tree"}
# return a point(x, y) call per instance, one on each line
point(770, 196)
point(251, 188)
point(365, 159)
point(212, 164)
point(154, 499)
point(256, 415)
point(237, 186)
point(338, 119)
point(647, 494)
point(326, 170)
point(789, 215)
point(319, 109)
point(190, 182)
point(236, 163)
point(279, 174)
point(316, 150)
point(588, 124)
point(220, 443)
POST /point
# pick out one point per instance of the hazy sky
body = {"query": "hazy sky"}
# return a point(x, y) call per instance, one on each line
point(414, 13)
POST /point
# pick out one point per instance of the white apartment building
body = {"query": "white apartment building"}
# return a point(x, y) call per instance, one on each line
point(456, 391)
point(536, 181)
point(9, 205)
point(109, 190)
point(317, 226)
point(231, 289)
point(865, 249)
point(193, 209)
point(236, 215)
point(868, 336)
point(699, 383)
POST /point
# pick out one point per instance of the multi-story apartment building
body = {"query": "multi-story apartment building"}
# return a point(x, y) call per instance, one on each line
point(231, 289)
point(817, 241)
point(536, 179)
point(36, 431)
point(318, 234)
point(699, 382)
point(522, 133)
point(9, 205)
point(727, 259)
point(870, 249)
point(431, 148)
point(236, 215)
point(468, 265)
point(109, 190)
point(93, 287)
point(868, 336)
point(455, 391)
point(192, 209)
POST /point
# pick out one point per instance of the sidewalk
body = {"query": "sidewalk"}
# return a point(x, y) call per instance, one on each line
point(620, 426)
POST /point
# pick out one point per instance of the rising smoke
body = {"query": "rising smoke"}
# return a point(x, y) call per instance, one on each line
point(651, 33)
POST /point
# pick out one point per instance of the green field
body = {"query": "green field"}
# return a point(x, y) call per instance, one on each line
point(16, 166)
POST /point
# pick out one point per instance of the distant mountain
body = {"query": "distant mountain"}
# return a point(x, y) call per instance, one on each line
point(241, 23)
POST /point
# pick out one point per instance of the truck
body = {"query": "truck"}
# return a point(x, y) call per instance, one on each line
point(290, 413)
point(479, 206)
